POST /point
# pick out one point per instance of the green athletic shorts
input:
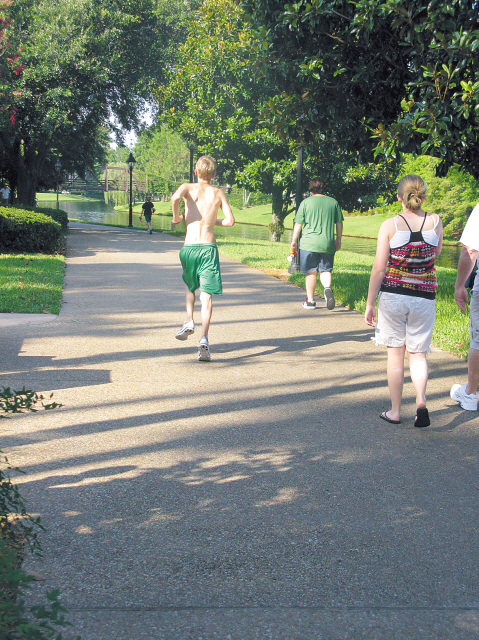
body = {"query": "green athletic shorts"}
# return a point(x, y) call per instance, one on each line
point(201, 268)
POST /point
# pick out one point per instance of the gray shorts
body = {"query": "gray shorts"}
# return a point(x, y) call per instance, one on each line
point(405, 320)
point(312, 261)
point(474, 319)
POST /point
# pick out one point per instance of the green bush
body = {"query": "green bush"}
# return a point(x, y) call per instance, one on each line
point(59, 215)
point(23, 231)
point(117, 198)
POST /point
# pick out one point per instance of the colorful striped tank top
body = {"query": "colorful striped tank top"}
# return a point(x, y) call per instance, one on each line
point(410, 270)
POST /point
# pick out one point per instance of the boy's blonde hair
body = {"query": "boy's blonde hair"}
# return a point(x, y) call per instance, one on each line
point(412, 191)
point(205, 166)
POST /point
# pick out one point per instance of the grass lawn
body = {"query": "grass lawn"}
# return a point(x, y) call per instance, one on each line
point(364, 226)
point(31, 283)
point(44, 198)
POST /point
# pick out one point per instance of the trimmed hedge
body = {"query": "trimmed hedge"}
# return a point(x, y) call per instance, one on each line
point(23, 231)
point(57, 214)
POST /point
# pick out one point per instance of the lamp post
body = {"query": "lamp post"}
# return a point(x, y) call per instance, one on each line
point(131, 163)
point(58, 166)
point(192, 147)
point(295, 264)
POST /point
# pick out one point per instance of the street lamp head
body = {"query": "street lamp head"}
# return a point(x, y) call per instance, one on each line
point(192, 146)
point(131, 161)
point(58, 165)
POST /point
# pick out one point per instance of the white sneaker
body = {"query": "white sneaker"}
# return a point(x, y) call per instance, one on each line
point(467, 401)
point(204, 350)
point(187, 329)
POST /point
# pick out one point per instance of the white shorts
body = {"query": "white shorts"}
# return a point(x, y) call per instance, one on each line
point(405, 320)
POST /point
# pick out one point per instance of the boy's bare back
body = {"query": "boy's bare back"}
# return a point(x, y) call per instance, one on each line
point(202, 203)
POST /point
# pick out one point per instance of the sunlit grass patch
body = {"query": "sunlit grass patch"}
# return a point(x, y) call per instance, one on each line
point(51, 198)
point(31, 283)
point(262, 254)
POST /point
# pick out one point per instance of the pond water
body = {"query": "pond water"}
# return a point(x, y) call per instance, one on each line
point(99, 212)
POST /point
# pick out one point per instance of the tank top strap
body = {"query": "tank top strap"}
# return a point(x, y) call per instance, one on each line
point(423, 223)
point(400, 216)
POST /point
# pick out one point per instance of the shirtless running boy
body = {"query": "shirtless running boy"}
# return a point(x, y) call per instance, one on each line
point(199, 255)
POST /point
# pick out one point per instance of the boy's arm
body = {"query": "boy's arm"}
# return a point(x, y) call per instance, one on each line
point(175, 203)
point(228, 220)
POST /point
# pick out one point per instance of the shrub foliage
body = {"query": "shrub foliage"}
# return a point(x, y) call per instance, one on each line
point(23, 231)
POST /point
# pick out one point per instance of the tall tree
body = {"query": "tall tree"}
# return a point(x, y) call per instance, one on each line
point(162, 154)
point(213, 98)
point(87, 65)
point(376, 77)
point(216, 96)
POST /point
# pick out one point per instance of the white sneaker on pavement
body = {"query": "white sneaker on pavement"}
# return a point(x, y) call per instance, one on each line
point(204, 350)
point(187, 329)
point(467, 401)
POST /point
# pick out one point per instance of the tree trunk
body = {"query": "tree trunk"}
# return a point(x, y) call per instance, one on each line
point(277, 218)
point(28, 168)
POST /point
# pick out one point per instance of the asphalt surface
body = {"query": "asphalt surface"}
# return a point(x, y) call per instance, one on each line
point(258, 496)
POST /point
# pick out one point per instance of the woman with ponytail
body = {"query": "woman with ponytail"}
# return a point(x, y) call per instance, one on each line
point(404, 276)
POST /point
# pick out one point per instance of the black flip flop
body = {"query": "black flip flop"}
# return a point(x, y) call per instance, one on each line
point(384, 416)
point(422, 418)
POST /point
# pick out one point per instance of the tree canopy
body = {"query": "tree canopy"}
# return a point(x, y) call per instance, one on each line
point(216, 96)
point(88, 66)
point(376, 77)
point(162, 154)
point(213, 98)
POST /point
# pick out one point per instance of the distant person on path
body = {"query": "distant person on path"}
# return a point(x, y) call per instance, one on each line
point(199, 255)
point(404, 275)
point(466, 394)
point(148, 209)
point(318, 217)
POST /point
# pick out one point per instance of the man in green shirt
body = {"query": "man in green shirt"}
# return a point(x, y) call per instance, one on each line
point(319, 217)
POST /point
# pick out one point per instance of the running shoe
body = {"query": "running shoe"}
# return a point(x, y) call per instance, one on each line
point(467, 401)
point(151, 232)
point(330, 301)
point(204, 350)
point(309, 305)
point(186, 330)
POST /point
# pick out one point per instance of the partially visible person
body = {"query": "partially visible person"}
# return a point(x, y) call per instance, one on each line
point(466, 394)
point(5, 194)
point(199, 255)
point(148, 209)
point(403, 274)
point(320, 222)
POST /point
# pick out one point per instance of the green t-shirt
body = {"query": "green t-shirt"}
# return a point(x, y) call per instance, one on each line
point(318, 215)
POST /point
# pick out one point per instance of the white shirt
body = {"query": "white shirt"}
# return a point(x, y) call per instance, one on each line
point(470, 237)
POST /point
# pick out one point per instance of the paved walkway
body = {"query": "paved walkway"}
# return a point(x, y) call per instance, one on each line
point(257, 496)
